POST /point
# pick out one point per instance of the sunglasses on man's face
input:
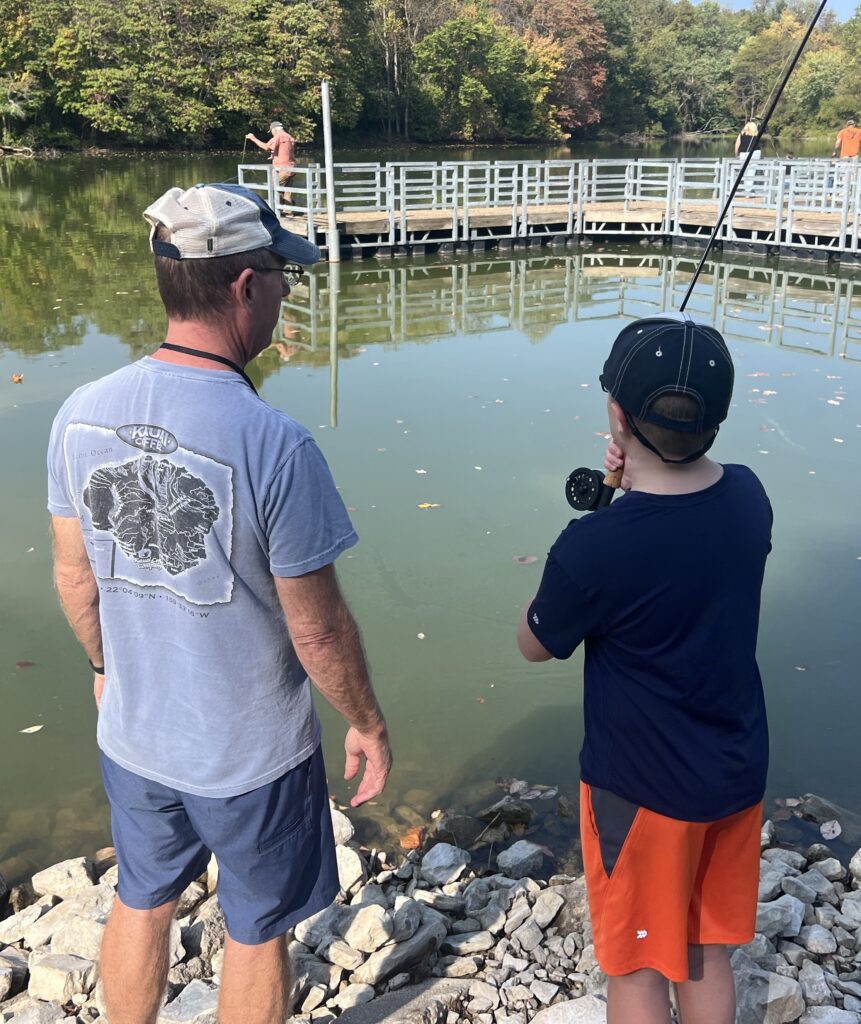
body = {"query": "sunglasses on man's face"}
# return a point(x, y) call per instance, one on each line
point(290, 275)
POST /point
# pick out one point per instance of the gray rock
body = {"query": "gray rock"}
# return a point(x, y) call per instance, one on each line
point(829, 1015)
point(39, 1013)
point(407, 918)
point(763, 997)
point(196, 1004)
point(769, 885)
point(309, 971)
point(792, 858)
point(336, 951)
point(574, 915)
point(487, 993)
point(13, 929)
point(547, 905)
point(758, 946)
point(831, 868)
point(469, 942)
point(79, 936)
point(402, 957)
point(315, 930)
point(315, 997)
point(65, 879)
point(460, 966)
point(351, 867)
point(368, 928)
point(193, 894)
point(586, 1010)
point(521, 859)
point(850, 907)
point(792, 952)
point(342, 827)
point(354, 995)
point(398, 981)
point(800, 890)
point(528, 936)
point(543, 991)
point(492, 919)
point(817, 939)
point(206, 934)
point(444, 863)
point(520, 912)
point(825, 891)
point(94, 903)
point(60, 976)
point(768, 833)
point(427, 1003)
point(814, 987)
point(439, 901)
point(855, 865)
point(783, 916)
point(14, 972)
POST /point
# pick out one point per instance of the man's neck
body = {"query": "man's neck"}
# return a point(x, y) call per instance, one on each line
point(203, 337)
point(646, 472)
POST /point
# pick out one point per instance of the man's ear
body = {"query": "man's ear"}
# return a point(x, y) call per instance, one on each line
point(243, 286)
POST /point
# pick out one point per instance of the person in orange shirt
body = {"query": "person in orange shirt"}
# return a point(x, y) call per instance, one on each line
point(282, 146)
point(848, 141)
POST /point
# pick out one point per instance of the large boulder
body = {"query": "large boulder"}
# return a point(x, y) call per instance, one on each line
point(196, 1004)
point(763, 997)
point(404, 956)
point(586, 1010)
point(521, 860)
point(59, 976)
point(65, 879)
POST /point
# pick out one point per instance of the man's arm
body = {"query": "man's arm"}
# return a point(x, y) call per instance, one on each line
point(530, 647)
point(78, 591)
point(836, 146)
point(253, 138)
point(327, 642)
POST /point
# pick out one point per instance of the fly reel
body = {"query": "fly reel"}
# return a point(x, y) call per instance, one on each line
point(589, 489)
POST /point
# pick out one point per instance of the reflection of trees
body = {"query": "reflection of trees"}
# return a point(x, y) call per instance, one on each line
point(72, 230)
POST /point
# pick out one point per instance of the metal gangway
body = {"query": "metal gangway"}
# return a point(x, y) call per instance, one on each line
point(800, 208)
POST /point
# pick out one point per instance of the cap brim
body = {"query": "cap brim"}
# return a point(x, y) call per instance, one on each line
point(294, 248)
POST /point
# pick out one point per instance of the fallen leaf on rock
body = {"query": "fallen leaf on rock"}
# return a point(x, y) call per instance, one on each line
point(429, 504)
point(518, 829)
point(830, 829)
point(413, 838)
point(525, 559)
point(31, 728)
point(24, 664)
point(17, 378)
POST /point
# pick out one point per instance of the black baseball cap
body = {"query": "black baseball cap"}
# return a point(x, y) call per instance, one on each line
point(670, 354)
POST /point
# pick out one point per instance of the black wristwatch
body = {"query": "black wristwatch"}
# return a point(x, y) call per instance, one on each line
point(98, 669)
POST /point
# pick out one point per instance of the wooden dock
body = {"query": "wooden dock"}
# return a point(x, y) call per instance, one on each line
point(799, 208)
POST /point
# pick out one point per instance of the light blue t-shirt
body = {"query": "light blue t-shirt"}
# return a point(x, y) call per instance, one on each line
point(192, 494)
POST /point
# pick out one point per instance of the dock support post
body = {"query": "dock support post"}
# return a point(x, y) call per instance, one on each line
point(333, 244)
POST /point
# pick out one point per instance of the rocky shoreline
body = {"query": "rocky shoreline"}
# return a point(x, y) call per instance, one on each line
point(429, 937)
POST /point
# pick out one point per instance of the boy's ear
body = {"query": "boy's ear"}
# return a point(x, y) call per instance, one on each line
point(618, 418)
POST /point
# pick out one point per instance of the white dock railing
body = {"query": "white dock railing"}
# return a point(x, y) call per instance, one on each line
point(810, 205)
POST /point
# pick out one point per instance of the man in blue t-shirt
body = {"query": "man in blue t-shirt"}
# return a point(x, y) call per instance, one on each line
point(663, 587)
point(195, 534)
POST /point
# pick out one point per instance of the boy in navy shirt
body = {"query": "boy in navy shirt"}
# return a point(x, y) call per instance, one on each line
point(663, 586)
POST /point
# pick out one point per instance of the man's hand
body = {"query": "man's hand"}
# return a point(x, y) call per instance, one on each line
point(374, 748)
point(250, 135)
point(98, 686)
point(615, 459)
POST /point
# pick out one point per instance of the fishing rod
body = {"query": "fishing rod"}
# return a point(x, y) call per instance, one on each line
point(589, 489)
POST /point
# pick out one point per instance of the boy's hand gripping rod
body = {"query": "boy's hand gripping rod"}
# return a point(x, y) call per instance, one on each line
point(588, 489)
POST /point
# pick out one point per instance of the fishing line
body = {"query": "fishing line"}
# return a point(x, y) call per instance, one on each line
point(749, 155)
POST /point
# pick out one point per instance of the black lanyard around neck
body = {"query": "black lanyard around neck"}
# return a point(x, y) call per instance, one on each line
point(215, 359)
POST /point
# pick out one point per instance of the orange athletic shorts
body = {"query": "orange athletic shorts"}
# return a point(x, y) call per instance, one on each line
point(657, 884)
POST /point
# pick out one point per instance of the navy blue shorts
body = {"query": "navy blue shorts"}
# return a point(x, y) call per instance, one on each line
point(274, 847)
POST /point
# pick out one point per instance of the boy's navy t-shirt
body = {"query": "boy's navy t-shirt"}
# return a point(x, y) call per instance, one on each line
point(665, 591)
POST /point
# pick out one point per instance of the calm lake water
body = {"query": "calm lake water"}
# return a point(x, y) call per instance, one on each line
point(469, 385)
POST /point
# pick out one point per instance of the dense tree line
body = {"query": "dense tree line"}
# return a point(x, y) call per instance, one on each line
point(203, 71)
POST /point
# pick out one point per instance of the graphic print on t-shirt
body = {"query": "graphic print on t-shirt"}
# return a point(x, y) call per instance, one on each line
point(163, 517)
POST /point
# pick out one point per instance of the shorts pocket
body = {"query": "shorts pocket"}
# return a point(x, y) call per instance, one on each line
point(613, 818)
point(290, 807)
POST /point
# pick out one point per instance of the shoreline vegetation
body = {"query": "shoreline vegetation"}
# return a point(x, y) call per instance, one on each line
point(461, 71)
point(444, 933)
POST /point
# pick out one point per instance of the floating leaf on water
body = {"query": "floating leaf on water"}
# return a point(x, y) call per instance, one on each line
point(420, 636)
point(17, 378)
point(833, 401)
point(480, 700)
point(422, 472)
point(531, 794)
point(352, 508)
point(758, 373)
point(31, 729)
point(525, 559)
point(429, 504)
point(769, 393)
point(830, 829)
point(515, 786)
point(24, 664)
point(477, 467)
point(549, 794)
point(838, 440)
point(413, 838)
point(800, 668)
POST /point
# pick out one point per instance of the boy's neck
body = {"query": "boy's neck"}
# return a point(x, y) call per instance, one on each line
point(646, 472)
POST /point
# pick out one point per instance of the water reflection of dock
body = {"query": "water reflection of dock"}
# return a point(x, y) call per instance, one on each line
point(394, 304)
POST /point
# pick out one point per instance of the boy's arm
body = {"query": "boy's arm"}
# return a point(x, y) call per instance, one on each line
point(529, 646)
